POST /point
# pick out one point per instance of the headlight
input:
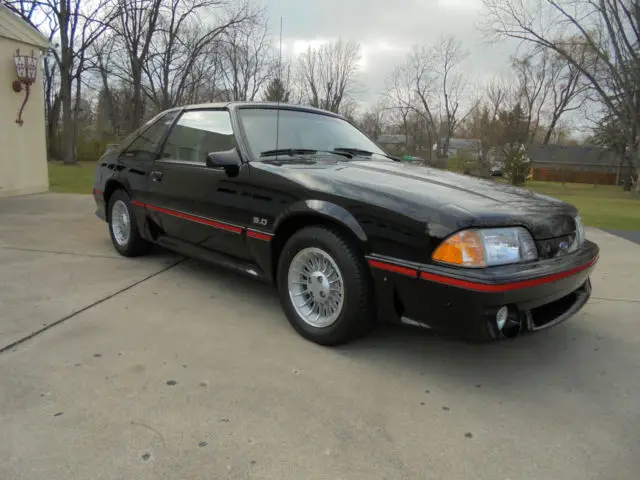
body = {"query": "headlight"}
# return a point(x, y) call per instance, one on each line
point(487, 247)
point(579, 231)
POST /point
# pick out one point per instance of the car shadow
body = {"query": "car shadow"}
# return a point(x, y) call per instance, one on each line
point(524, 369)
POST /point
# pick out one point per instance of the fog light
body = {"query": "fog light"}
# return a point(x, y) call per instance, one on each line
point(501, 317)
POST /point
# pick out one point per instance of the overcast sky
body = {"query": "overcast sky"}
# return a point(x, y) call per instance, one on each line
point(387, 29)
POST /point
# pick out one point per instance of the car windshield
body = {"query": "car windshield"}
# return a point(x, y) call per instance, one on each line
point(301, 131)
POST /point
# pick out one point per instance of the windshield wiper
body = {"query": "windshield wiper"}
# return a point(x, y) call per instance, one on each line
point(302, 151)
point(365, 153)
point(287, 151)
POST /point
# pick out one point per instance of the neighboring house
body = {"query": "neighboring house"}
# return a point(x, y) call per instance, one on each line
point(23, 160)
point(470, 146)
point(392, 142)
point(581, 164)
point(461, 146)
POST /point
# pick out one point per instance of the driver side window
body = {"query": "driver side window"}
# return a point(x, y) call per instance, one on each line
point(198, 133)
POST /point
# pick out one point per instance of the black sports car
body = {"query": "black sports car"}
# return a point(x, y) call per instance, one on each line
point(348, 234)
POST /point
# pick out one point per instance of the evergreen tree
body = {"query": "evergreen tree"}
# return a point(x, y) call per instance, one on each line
point(514, 138)
point(276, 91)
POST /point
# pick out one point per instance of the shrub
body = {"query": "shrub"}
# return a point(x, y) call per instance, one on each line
point(517, 164)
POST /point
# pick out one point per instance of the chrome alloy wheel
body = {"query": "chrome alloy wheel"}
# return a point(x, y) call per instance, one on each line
point(316, 287)
point(120, 223)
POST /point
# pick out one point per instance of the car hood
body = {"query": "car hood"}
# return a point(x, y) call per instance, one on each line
point(442, 199)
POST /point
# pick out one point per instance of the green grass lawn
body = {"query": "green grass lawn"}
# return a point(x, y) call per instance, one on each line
point(71, 178)
point(602, 206)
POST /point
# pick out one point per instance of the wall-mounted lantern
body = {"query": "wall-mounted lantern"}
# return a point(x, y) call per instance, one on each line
point(26, 71)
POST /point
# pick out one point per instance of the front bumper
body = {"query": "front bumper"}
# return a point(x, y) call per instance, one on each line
point(101, 210)
point(464, 302)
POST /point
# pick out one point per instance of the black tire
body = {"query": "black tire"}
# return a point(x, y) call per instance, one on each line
point(357, 315)
point(135, 245)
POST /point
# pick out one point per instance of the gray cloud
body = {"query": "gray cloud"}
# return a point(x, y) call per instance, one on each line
point(397, 25)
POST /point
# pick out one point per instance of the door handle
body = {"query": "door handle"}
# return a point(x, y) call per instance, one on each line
point(156, 176)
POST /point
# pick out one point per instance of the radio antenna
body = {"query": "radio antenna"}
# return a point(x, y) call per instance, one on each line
point(279, 89)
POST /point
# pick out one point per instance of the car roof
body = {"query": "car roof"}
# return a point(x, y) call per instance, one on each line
point(239, 105)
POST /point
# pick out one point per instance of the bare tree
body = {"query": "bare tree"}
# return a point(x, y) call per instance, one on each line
point(181, 42)
point(206, 80)
point(449, 56)
point(423, 98)
point(94, 23)
point(136, 24)
point(372, 122)
point(51, 102)
point(486, 117)
point(609, 135)
point(533, 85)
point(411, 94)
point(430, 84)
point(549, 87)
point(499, 93)
point(399, 96)
point(328, 73)
point(31, 12)
point(607, 33)
point(568, 93)
point(109, 113)
point(247, 59)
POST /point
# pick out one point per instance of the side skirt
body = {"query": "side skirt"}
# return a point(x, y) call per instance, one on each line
point(244, 267)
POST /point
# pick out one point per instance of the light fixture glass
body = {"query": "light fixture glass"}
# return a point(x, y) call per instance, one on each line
point(32, 68)
point(26, 67)
point(21, 66)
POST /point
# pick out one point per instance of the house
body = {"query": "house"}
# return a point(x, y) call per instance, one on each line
point(468, 146)
point(579, 164)
point(393, 142)
point(23, 160)
point(460, 146)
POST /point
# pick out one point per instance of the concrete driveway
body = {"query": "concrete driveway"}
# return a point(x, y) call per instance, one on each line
point(164, 368)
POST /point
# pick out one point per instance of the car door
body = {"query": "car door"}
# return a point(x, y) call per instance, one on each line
point(192, 202)
point(134, 164)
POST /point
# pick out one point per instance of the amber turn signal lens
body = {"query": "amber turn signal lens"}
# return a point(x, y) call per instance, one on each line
point(464, 248)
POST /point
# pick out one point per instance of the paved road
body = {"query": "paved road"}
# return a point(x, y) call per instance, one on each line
point(631, 235)
point(182, 370)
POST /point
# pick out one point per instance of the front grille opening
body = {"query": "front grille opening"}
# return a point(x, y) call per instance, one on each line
point(554, 247)
point(549, 312)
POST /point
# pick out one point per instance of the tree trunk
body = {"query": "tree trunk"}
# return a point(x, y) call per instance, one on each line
point(634, 157)
point(67, 117)
point(76, 112)
point(53, 119)
point(66, 61)
point(549, 132)
point(136, 118)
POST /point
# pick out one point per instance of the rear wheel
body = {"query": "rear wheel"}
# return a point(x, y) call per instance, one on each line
point(324, 287)
point(123, 228)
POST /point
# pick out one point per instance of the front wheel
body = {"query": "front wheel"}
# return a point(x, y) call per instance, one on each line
point(324, 287)
point(123, 228)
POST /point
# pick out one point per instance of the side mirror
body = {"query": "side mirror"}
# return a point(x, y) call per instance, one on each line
point(229, 161)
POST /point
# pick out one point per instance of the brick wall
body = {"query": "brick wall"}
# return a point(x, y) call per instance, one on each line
point(552, 174)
